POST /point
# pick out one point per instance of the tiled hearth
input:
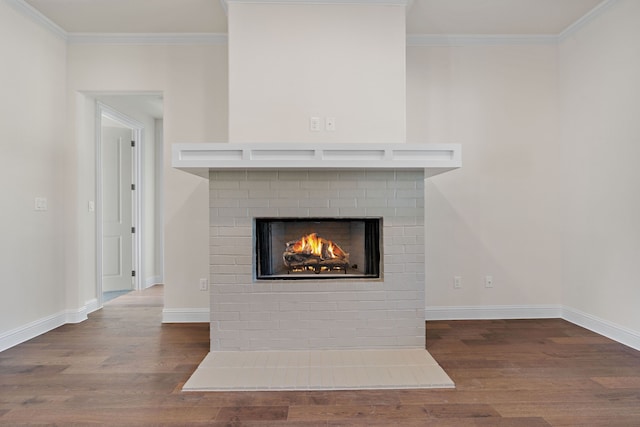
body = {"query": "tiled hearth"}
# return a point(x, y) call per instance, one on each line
point(249, 314)
point(318, 370)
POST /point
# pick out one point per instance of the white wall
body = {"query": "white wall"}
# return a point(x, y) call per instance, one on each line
point(32, 158)
point(193, 81)
point(600, 94)
point(289, 62)
point(546, 202)
point(499, 214)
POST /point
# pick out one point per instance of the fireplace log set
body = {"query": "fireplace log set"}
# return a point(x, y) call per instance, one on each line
point(313, 253)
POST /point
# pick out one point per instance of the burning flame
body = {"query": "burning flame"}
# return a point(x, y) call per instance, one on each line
point(314, 245)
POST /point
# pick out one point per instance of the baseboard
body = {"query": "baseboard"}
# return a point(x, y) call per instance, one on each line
point(150, 281)
point(603, 327)
point(41, 326)
point(185, 315)
point(92, 305)
point(494, 312)
point(77, 315)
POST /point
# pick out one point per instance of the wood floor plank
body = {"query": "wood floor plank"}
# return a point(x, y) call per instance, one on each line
point(124, 367)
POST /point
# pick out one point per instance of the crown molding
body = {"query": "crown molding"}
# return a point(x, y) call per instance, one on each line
point(425, 40)
point(590, 16)
point(225, 3)
point(479, 39)
point(37, 17)
point(147, 38)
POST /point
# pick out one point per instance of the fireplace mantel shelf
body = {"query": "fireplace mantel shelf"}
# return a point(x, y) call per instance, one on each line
point(200, 158)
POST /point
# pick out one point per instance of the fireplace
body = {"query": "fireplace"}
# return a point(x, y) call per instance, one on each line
point(258, 187)
point(317, 248)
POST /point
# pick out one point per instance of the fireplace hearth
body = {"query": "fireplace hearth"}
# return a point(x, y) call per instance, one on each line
point(317, 248)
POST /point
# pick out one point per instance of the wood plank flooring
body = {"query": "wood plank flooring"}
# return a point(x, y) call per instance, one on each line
point(123, 367)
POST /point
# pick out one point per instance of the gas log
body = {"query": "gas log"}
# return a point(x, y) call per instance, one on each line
point(313, 253)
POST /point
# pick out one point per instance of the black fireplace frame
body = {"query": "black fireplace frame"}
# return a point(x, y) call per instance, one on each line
point(372, 248)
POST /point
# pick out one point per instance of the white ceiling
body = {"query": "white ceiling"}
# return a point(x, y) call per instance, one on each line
point(508, 17)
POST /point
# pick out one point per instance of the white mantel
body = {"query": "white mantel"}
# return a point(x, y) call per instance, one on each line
point(199, 159)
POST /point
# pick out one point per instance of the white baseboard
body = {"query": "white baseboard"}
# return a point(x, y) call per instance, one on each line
point(92, 305)
point(185, 315)
point(31, 330)
point(603, 327)
point(38, 327)
point(150, 281)
point(494, 312)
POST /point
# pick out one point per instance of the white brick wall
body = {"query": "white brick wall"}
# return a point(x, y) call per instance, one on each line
point(316, 314)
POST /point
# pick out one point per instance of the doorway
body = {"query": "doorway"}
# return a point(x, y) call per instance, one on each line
point(119, 140)
point(129, 251)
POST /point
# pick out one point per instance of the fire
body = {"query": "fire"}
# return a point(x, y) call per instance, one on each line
point(312, 244)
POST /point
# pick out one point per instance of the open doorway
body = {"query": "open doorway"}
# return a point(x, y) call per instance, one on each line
point(128, 186)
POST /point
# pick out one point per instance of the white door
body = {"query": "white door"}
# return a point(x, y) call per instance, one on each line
point(117, 178)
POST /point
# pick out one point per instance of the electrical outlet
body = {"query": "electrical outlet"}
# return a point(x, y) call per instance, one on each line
point(457, 282)
point(204, 284)
point(330, 124)
point(488, 281)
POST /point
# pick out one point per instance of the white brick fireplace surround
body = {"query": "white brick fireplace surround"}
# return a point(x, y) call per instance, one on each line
point(316, 314)
point(357, 180)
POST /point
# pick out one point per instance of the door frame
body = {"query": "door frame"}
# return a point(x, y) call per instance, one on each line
point(137, 130)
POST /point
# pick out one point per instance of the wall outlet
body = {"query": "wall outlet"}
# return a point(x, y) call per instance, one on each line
point(330, 124)
point(488, 281)
point(457, 282)
point(204, 284)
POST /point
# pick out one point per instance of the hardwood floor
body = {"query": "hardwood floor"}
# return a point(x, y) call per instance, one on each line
point(123, 367)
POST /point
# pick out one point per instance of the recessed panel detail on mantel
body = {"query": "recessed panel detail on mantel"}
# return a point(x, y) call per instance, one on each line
point(200, 158)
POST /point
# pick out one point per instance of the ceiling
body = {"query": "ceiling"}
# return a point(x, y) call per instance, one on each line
point(463, 17)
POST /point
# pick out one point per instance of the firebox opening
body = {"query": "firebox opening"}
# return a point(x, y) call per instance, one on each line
point(317, 248)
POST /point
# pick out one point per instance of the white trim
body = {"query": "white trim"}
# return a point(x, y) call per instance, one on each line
point(405, 3)
point(480, 39)
point(494, 312)
point(36, 16)
point(603, 327)
point(92, 305)
point(31, 330)
point(600, 326)
point(185, 315)
point(41, 326)
point(198, 159)
point(147, 38)
point(222, 39)
point(76, 316)
point(590, 16)
point(151, 281)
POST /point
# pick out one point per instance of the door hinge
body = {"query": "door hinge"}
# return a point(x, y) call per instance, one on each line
point(133, 229)
point(133, 273)
point(133, 186)
point(133, 143)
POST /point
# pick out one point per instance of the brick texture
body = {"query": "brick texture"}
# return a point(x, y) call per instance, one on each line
point(247, 314)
